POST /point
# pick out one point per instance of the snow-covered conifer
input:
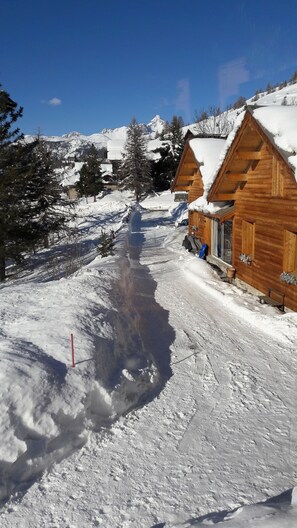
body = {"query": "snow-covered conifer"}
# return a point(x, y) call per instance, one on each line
point(135, 172)
point(170, 152)
point(10, 112)
point(90, 182)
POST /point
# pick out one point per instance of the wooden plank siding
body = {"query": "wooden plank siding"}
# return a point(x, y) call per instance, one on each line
point(188, 178)
point(268, 201)
point(195, 191)
point(257, 178)
point(200, 226)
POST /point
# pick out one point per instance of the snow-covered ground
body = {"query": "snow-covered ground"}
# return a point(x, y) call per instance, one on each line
point(219, 435)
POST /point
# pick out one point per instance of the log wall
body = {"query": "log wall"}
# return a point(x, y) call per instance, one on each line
point(196, 220)
point(269, 200)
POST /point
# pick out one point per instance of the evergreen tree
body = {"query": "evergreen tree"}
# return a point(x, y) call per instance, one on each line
point(90, 182)
point(268, 88)
point(135, 172)
point(106, 244)
point(47, 208)
point(164, 168)
point(31, 204)
point(31, 199)
point(10, 112)
point(176, 137)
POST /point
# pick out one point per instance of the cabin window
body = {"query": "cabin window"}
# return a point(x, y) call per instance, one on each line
point(248, 238)
point(222, 240)
point(290, 252)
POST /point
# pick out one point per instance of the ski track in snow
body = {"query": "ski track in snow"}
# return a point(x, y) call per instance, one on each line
point(221, 434)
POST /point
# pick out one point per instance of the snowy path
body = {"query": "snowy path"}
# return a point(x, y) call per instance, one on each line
point(222, 432)
point(134, 364)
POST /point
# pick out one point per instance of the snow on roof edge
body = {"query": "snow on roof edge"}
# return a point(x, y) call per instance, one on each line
point(280, 125)
point(206, 152)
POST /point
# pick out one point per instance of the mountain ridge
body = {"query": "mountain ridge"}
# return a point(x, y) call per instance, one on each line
point(70, 149)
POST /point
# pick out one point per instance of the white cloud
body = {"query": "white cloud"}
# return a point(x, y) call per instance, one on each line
point(182, 101)
point(231, 75)
point(55, 101)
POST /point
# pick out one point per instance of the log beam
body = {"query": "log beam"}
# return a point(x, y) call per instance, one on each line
point(190, 165)
point(220, 197)
point(249, 155)
point(236, 177)
point(186, 177)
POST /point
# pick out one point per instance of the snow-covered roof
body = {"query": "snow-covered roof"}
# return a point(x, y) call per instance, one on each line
point(115, 149)
point(280, 124)
point(207, 151)
point(227, 145)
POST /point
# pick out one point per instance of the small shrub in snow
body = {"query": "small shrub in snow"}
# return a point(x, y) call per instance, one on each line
point(106, 244)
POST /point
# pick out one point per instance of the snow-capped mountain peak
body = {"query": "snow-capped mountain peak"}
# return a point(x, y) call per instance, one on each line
point(156, 125)
point(71, 135)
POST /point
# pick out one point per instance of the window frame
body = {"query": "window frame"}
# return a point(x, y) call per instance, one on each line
point(219, 240)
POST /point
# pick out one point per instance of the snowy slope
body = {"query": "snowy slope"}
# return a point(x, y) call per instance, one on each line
point(43, 403)
point(221, 435)
point(280, 96)
point(286, 95)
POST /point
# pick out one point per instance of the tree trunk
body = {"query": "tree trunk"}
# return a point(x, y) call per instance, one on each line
point(46, 241)
point(2, 262)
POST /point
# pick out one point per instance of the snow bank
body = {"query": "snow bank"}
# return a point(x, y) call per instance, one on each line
point(46, 406)
point(278, 512)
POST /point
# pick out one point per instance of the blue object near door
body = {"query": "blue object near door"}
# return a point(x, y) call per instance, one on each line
point(203, 251)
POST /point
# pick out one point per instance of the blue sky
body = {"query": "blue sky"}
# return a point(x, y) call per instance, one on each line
point(86, 65)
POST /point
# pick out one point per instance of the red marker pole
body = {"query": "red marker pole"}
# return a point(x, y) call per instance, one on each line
point(72, 349)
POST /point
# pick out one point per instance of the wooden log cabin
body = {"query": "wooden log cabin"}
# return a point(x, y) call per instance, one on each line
point(253, 226)
point(196, 167)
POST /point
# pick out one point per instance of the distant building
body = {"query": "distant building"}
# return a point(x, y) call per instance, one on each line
point(115, 148)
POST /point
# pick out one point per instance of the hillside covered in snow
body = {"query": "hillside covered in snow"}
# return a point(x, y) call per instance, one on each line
point(70, 149)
